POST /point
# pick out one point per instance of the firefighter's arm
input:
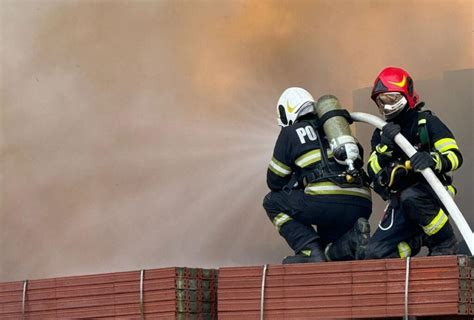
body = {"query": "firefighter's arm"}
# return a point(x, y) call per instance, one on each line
point(278, 174)
point(380, 157)
point(442, 160)
point(380, 166)
point(279, 171)
point(445, 156)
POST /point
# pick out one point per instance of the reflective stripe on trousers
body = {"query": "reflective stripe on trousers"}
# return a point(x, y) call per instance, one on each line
point(436, 224)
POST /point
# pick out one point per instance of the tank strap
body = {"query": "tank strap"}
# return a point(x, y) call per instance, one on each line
point(425, 142)
point(337, 177)
point(318, 122)
point(423, 133)
point(291, 184)
point(335, 113)
point(324, 154)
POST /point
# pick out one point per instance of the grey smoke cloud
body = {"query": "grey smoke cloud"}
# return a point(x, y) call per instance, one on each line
point(137, 134)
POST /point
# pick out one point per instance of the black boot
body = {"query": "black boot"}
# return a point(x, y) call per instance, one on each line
point(443, 243)
point(352, 244)
point(311, 253)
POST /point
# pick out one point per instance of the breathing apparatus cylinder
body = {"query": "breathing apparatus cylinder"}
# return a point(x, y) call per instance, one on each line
point(337, 130)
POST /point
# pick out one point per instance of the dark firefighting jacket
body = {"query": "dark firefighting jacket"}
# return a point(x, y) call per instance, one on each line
point(426, 132)
point(297, 153)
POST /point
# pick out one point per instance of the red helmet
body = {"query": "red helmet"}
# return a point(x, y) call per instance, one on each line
point(393, 79)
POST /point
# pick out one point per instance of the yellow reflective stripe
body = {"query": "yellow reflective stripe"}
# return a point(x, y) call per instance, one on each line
point(329, 188)
point(438, 164)
point(311, 157)
point(443, 145)
point(422, 121)
point(308, 158)
point(381, 148)
point(279, 168)
point(280, 164)
point(452, 157)
point(451, 190)
point(436, 224)
point(276, 170)
point(404, 250)
point(374, 163)
point(281, 219)
point(306, 252)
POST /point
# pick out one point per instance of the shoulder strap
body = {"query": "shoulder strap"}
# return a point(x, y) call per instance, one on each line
point(423, 129)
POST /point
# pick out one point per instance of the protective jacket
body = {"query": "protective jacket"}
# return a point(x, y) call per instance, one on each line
point(298, 153)
point(426, 132)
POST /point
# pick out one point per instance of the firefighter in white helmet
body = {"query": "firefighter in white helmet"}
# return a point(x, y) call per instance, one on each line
point(303, 194)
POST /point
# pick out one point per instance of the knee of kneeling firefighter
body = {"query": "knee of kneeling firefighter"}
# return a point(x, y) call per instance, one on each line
point(268, 203)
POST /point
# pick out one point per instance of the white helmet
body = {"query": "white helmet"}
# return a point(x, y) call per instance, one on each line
point(293, 103)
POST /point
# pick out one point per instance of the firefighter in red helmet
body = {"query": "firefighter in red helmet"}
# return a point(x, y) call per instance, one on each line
point(414, 216)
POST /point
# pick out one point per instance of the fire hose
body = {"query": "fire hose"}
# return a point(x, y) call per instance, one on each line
point(430, 177)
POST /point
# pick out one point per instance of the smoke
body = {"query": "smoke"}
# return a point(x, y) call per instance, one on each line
point(137, 134)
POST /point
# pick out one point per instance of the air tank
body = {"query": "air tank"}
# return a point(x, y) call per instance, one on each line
point(338, 132)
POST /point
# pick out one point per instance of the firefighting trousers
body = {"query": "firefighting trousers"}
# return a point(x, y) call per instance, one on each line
point(295, 214)
point(413, 216)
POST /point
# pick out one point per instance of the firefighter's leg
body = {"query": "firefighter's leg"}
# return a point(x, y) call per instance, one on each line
point(422, 207)
point(352, 244)
point(342, 224)
point(301, 237)
point(395, 237)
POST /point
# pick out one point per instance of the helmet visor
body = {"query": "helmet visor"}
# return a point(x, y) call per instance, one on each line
point(390, 103)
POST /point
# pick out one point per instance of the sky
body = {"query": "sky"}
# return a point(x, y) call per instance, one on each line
point(137, 134)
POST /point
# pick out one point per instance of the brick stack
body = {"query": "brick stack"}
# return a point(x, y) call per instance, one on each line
point(167, 293)
point(437, 286)
point(440, 286)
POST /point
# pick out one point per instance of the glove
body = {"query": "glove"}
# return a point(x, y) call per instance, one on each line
point(421, 160)
point(389, 131)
